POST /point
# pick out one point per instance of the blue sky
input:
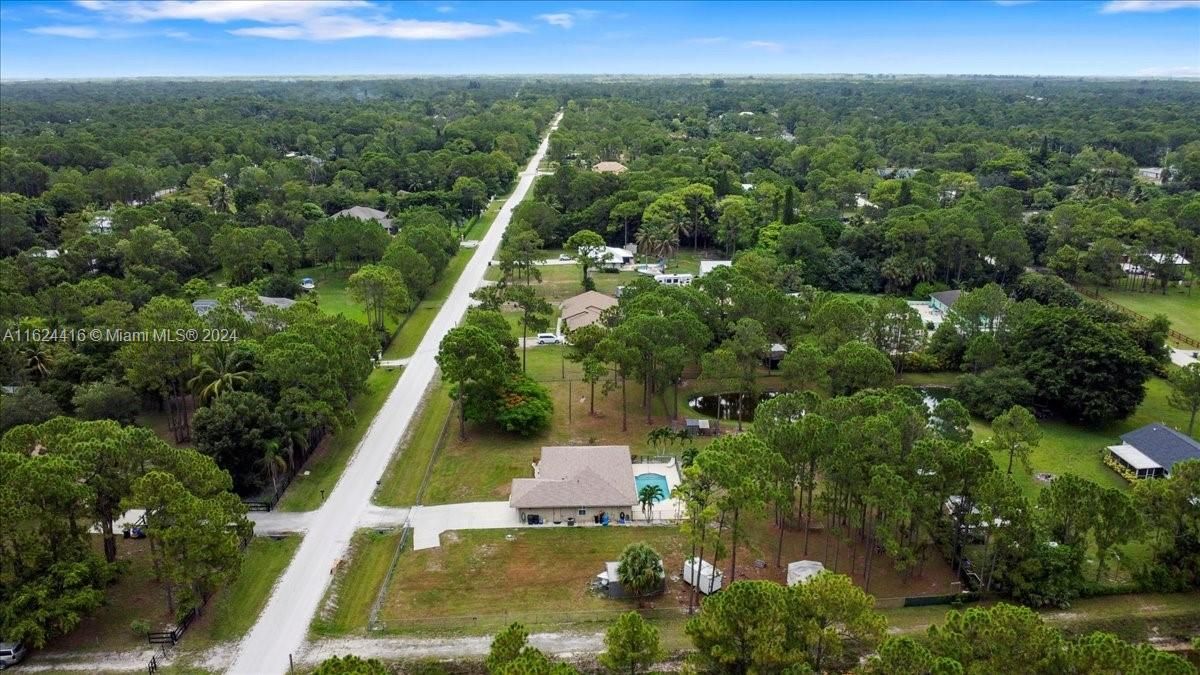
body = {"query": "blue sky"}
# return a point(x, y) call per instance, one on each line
point(119, 38)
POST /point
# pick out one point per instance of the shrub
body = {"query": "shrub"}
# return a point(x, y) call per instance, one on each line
point(140, 627)
point(991, 393)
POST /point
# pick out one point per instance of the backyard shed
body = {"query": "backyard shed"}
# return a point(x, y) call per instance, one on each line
point(702, 575)
point(803, 570)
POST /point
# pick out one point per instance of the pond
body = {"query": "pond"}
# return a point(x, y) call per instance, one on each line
point(725, 406)
point(934, 395)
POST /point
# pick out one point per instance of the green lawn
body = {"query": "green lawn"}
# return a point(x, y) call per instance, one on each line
point(402, 480)
point(347, 605)
point(481, 580)
point(1069, 448)
point(326, 465)
point(231, 614)
point(560, 282)
point(331, 294)
point(1180, 306)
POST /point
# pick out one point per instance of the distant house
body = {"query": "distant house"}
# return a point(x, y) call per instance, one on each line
point(862, 202)
point(609, 167)
point(609, 257)
point(1174, 259)
point(368, 213)
point(49, 253)
point(707, 266)
point(576, 484)
point(1151, 452)
point(584, 309)
point(901, 172)
point(101, 224)
point(203, 306)
point(1154, 174)
point(944, 300)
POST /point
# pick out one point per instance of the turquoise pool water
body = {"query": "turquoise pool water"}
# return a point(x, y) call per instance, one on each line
point(644, 479)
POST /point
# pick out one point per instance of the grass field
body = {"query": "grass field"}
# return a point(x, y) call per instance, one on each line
point(333, 297)
point(327, 463)
point(560, 282)
point(1180, 306)
point(347, 604)
point(481, 580)
point(1069, 448)
point(232, 612)
point(402, 480)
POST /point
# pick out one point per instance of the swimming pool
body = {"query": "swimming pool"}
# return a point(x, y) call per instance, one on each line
point(644, 479)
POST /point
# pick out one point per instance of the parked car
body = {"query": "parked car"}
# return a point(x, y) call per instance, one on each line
point(11, 653)
point(547, 339)
point(564, 256)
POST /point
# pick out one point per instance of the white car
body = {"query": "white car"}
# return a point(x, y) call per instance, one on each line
point(11, 653)
point(564, 257)
point(547, 339)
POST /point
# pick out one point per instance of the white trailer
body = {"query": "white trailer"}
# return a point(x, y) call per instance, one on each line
point(701, 574)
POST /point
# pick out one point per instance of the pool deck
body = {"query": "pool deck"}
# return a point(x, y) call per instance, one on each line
point(669, 509)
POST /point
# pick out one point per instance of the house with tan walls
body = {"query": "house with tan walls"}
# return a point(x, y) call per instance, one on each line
point(577, 485)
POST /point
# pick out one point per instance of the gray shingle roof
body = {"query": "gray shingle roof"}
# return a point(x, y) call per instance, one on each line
point(1163, 444)
point(947, 298)
point(570, 476)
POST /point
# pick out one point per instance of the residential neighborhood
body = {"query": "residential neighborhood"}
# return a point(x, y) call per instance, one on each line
point(508, 339)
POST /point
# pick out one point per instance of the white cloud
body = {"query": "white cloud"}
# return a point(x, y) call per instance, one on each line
point(1123, 6)
point(178, 34)
point(765, 45)
point(1176, 71)
point(81, 32)
point(345, 27)
point(444, 9)
point(219, 11)
point(560, 19)
point(298, 20)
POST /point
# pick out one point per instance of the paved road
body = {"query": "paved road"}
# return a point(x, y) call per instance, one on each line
point(283, 625)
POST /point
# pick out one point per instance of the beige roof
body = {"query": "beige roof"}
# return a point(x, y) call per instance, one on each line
point(609, 167)
point(571, 476)
point(585, 309)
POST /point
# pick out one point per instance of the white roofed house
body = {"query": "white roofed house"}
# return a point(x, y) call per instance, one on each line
point(609, 257)
point(368, 213)
point(101, 224)
point(577, 484)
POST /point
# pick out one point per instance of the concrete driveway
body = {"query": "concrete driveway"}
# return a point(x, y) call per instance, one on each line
point(429, 522)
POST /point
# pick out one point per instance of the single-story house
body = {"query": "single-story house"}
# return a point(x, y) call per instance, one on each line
point(368, 213)
point(707, 266)
point(609, 257)
point(943, 301)
point(584, 309)
point(1151, 452)
point(1153, 174)
point(609, 167)
point(576, 483)
point(901, 172)
point(1130, 267)
point(203, 306)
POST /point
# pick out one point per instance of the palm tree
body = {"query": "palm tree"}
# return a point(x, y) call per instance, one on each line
point(221, 370)
point(660, 240)
point(274, 463)
point(647, 496)
point(640, 571)
point(38, 359)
